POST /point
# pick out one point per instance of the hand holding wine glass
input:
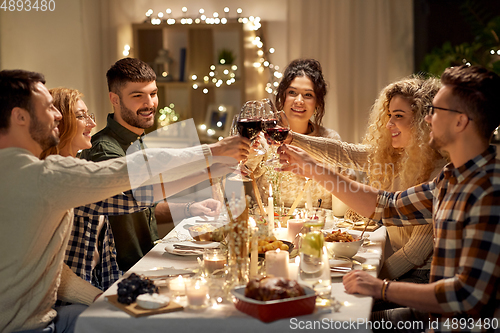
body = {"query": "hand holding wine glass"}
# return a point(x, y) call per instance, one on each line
point(248, 124)
point(276, 126)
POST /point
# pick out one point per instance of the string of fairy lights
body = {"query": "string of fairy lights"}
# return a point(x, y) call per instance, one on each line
point(226, 76)
point(216, 76)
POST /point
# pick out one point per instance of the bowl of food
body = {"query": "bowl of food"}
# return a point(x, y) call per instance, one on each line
point(271, 298)
point(207, 232)
point(342, 243)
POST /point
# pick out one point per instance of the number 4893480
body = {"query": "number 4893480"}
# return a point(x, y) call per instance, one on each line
point(28, 5)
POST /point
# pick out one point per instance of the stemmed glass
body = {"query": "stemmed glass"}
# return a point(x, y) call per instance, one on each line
point(248, 124)
point(275, 124)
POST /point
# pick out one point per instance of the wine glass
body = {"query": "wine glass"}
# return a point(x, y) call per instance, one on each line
point(248, 124)
point(276, 126)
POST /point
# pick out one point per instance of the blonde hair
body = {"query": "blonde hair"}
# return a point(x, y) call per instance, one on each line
point(414, 163)
point(64, 100)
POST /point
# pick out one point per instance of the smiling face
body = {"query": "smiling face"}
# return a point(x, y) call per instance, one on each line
point(400, 121)
point(44, 119)
point(135, 107)
point(300, 103)
point(84, 125)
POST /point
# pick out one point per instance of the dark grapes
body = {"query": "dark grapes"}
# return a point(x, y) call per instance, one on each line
point(133, 286)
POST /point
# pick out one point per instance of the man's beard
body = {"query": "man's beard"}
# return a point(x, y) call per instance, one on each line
point(39, 133)
point(133, 119)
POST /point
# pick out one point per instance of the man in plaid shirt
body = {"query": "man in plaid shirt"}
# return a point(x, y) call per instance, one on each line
point(463, 203)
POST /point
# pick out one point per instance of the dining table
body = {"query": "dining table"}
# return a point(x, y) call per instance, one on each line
point(345, 312)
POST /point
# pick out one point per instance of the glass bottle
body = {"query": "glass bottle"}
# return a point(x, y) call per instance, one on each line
point(314, 270)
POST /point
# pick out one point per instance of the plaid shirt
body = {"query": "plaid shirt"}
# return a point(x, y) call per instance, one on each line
point(84, 236)
point(464, 205)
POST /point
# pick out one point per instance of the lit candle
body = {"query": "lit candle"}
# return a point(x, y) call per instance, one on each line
point(254, 254)
point(293, 269)
point(177, 286)
point(213, 259)
point(277, 263)
point(197, 293)
point(270, 211)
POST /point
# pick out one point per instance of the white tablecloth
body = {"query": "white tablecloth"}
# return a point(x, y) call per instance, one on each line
point(352, 315)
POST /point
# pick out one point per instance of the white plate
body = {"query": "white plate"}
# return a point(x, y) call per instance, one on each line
point(195, 252)
point(163, 272)
point(339, 263)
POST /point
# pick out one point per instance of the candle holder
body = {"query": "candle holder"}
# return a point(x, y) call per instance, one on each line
point(214, 261)
point(177, 286)
point(197, 293)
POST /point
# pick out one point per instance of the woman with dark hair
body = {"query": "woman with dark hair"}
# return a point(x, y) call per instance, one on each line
point(301, 95)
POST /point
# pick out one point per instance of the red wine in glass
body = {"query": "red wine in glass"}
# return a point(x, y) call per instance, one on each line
point(278, 134)
point(249, 128)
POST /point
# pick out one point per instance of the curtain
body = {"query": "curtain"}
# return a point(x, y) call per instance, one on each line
point(362, 45)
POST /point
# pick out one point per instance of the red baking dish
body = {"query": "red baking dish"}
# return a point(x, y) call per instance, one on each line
point(278, 309)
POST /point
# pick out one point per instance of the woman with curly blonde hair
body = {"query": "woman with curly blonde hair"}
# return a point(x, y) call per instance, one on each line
point(395, 155)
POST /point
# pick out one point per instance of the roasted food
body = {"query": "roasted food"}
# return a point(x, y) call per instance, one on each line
point(273, 288)
point(271, 244)
point(339, 236)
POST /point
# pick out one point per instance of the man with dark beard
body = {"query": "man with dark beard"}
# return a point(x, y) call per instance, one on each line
point(133, 95)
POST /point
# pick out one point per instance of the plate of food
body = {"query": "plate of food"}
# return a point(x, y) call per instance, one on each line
point(214, 232)
point(271, 243)
point(190, 248)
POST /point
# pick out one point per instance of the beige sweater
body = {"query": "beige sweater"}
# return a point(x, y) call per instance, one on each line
point(412, 245)
point(291, 184)
point(36, 200)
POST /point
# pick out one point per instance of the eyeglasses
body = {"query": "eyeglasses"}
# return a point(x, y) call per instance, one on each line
point(431, 109)
point(86, 117)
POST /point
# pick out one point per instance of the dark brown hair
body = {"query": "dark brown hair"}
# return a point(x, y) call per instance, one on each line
point(16, 88)
point(128, 70)
point(478, 93)
point(310, 68)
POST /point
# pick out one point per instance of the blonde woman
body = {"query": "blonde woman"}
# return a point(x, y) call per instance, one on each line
point(396, 155)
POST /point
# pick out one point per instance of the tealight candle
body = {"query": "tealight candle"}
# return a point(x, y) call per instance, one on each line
point(277, 263)
point(213, 260)
point(177, 286)
point(197, 293)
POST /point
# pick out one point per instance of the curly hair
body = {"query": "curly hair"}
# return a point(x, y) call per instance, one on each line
point(310, 68)
point(64, 100)
point(414, 163)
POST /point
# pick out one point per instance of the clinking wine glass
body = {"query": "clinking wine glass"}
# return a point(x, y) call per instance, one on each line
point(247, 124)
point(276, 126)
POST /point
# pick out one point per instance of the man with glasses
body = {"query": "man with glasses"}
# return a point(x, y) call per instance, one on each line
point(463, 203)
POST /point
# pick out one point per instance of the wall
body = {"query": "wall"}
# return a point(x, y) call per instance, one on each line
point(75, 44)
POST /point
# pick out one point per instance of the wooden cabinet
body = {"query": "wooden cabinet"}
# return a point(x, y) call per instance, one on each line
point(193, 49)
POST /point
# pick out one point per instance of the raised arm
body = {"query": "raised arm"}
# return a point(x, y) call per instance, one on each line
point(332, 151)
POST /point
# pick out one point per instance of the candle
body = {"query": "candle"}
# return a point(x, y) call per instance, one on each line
point(338, 207)
point(197, 293)
point(213, 259)
point(277, 263)
point(294, 226)
point(270, 211)
point(293, 269)
point(177, 286)
point(309, 205)
point(254, 254)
